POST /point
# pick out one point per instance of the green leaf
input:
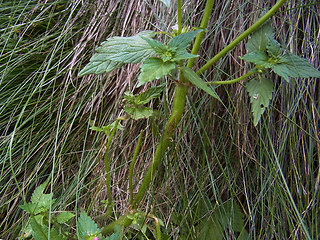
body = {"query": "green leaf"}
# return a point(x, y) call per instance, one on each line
point(210, 230)
point(98, 65)
point(260, 93)
point(106, 129)
point(133, 49)
point(139, 112)
point(40, 202)
point(198, 82)
point(166, 2)
point(291, 65)
point(145, 97)
point(86, 227)
point(183, 40)
point(117, 51)
point(258, 58)
point(273, 48)
point(259, 39)
point(40, 231)
point(154, 68)
point(64, 217)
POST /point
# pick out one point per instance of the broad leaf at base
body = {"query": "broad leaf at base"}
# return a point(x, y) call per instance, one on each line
point(260, 92)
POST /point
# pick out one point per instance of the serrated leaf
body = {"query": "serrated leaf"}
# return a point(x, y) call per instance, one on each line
point(139, 112)
point(166, 2)
point(154, 68)
point(86, 227)
point(273, 48)
point(64, 217)
point(149, 94)
point(258, 40)
point(183, 40)
point(198, 82)
point(117, 51)
point(97, 66)
point(260, 93)
point(291, 65)
point(259, 58)
point(40, 231)
point(40, 202)
point(133, 49)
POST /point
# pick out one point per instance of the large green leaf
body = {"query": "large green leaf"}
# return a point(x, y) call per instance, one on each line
point(117, 51)
point(259, 39)
point(198, 82)
point(154, 68)
point(291, 65)
point(260, 92)
point(86, 227)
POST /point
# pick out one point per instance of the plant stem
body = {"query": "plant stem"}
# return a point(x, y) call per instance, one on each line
point(203, 25)
point(233, 80)
point(134, 158)
point(179, 16)
point(242, 36)
point(177, 111)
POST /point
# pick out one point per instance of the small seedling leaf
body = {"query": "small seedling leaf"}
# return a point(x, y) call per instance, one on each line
point(259, 39)
point(139, 112)
point(198, 82)
point(260, 92)
point(291, 65)
point(86, 227)
point(154, 68)
point(166, 2)
point(64, 217)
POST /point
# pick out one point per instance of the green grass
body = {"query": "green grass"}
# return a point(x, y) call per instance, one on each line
point(271, 172)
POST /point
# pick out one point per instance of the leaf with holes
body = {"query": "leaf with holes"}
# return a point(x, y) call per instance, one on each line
point(260, 92)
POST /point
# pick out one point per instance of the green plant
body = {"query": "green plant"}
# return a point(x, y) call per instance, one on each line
point(161, 60)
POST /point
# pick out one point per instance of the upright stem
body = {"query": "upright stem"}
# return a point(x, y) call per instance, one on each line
point(242, 36)
point(203, 25)
point(179, 16)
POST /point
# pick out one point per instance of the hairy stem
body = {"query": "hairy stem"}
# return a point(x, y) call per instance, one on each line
point(242, 36)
